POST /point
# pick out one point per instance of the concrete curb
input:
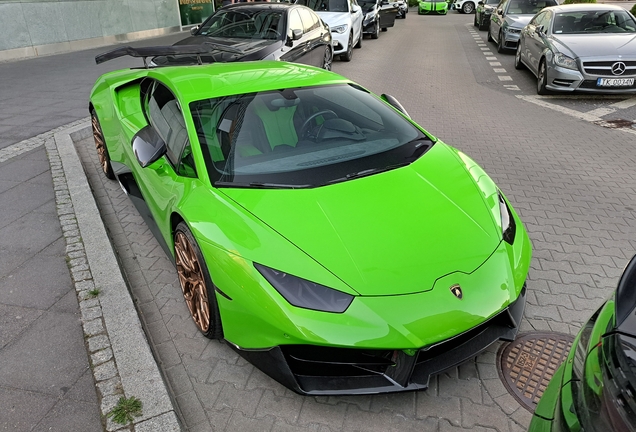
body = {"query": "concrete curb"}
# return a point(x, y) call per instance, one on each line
point(121, 358)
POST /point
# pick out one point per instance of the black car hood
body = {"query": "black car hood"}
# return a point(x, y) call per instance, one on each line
point(250, 49)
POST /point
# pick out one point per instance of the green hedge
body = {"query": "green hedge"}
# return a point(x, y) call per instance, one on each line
point(413, 3)
point(578, 1)
point(634, 10)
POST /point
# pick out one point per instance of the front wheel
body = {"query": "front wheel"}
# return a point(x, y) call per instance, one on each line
point(542, 79)
point(196, 284)
point(500, 43)
point(348, 55)
point(490, 39)
point(468, 7)
point(328, 58)
point(359, 44)
point(518, 63)
point(376, 31)
point(482, 24)
point(475, 21)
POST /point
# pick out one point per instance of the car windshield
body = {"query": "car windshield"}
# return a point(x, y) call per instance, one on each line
point(609, 21)
point(244, 24)
point(367, 5)
point(325, 5)
point(528, 7)
point(303, 137)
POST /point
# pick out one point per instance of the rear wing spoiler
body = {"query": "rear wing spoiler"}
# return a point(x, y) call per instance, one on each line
point(145, 52)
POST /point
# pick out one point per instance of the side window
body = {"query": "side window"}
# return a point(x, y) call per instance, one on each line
point(294, 22)
point(310, 21)
point(164, 113)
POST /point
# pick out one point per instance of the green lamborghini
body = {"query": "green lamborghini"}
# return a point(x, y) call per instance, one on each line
point(427, 7)
point(314, 226)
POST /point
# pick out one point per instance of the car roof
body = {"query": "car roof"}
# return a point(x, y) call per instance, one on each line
point(258, 5)
point(192, 83)
point(584, 7)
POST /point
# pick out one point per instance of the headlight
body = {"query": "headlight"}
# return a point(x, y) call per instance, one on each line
point(340, 29)
point(565, 61)
point(513, 30)
point(369, 17)
point(305, 294)
point(508, 226)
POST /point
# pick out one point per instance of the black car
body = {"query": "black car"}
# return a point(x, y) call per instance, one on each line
point(260, 31)
point(594, 390)
point(378, 14)
point(482, 13)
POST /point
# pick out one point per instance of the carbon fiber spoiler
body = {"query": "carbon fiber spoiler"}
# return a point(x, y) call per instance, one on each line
point(145, 52)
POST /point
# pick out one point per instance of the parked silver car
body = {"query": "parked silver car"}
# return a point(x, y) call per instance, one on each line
point(510, 17)
point(582, 47)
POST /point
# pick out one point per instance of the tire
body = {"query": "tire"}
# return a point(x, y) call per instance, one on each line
point(468, 7)
point(359, 44)
point(404, 15)
point(482, 25)
point(500, 43)
point(327, 59)
point(475, 21)
point(542, 79)
point(100, 146)
point(196, 284)
point(348, 55)
point(518, 63)
point(384, 29)
point(490, 39)
point(376, 31)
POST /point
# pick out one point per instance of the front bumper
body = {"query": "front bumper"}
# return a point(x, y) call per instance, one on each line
point(511, 38)
point(320, 370)
point(369, 28)
point(426, 8)
point(568, 80)
point(340, 42)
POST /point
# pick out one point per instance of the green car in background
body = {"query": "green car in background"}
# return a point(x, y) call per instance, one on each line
point(427, 7)
point(593, 390)
point(314, 226)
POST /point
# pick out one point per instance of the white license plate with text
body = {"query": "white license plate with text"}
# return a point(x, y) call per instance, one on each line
point(614, 82)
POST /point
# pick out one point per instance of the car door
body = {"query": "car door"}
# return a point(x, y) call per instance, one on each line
point(356, 19)
point(535, 38)
point(163, 182)
point(296, 49)
point(388, 12)
point(314, 52)
point(496, 20)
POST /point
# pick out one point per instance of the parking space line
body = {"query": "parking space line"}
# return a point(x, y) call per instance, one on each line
point(512, 87)
point(573, 113)
point(628, 103)
point(504, 78)
point(600, 112)
point(499, 70)
point(495, 64)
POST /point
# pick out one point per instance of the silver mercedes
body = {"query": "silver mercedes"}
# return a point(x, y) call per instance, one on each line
point(580, 47)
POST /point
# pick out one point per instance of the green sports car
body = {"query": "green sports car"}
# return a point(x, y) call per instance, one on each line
point(427, 7)
point(329, 239)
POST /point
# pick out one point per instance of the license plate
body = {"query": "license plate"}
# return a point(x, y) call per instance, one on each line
point(614, 82)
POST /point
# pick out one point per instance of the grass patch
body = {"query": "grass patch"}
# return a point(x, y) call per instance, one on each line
point(94, 292)
point(126, 410)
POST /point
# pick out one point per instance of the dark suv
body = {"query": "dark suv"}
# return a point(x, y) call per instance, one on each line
point(482, 13)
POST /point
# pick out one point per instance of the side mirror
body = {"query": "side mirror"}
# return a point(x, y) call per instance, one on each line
point(500, 11)
point(194, 30)
point(297, 34)
point(540, 29)
point(394, 103)
point(148, 146)
point(355, 9)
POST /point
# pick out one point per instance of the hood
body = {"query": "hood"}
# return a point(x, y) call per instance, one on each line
point(390, 233)
point(252, 49)
point(596, 45)
point(518, 21)
point(334, 19)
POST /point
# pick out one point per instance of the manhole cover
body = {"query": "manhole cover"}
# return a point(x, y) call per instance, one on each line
point(526, 365)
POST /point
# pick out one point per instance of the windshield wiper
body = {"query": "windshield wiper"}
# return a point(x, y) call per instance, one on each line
point(368, 172)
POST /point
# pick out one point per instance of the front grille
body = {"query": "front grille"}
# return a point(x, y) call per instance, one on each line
point(618, 379)
point(604, 68)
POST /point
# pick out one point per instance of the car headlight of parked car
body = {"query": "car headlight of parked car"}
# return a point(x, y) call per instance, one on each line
point(513, 30)
point(369, 17)
point(340, 29)
point(562, 60)
point(305, 294)
point(508, 226)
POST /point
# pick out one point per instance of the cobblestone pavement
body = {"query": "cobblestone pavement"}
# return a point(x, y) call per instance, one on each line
point(571, 181)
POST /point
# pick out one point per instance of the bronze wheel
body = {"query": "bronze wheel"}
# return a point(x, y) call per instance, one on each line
point(198, 290)
point(100, 146)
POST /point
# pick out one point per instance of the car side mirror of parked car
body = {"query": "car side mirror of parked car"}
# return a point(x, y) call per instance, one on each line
point(394, 103)
point(540, 30)
point(500, 11)
point(148, 146)
point(297, 34)
point(194, 30)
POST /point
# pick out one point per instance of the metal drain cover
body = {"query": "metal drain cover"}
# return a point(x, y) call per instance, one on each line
point(526, 365)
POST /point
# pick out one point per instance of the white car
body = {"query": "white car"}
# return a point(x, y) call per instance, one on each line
point(344, 18)
point(465, 6)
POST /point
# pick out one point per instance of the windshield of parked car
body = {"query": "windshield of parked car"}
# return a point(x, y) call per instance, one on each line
point(367, 5)
point(244, 24)
point(528, 7)
point(325, 5)
point(612, 21)
point(304, 137)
